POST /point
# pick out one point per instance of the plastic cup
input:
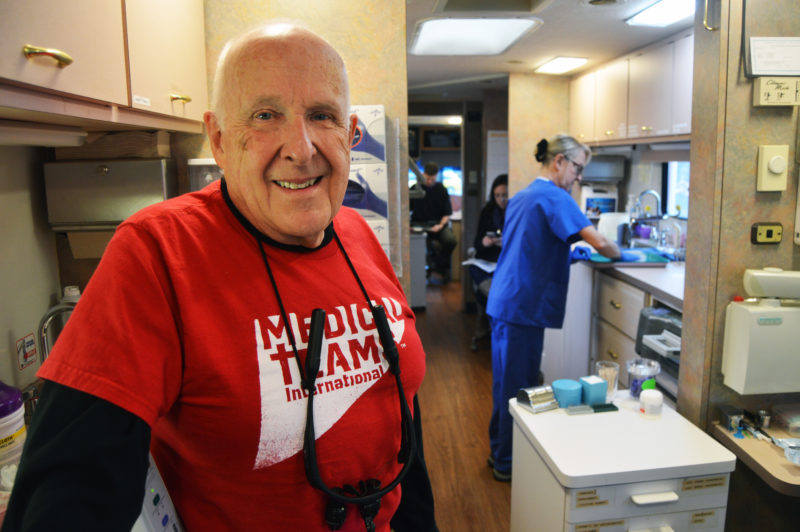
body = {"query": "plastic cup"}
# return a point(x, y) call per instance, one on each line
point(641, 374)
point(608, 371)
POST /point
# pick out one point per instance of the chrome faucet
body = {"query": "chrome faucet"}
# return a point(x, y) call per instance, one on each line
point(44, 324)
point(656, 195)
point(30, 395)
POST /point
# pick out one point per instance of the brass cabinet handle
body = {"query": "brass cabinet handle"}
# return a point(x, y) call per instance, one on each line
point(609, 132)
point(706, 25)
point(615, 304)
point(612, 354)
point(179, 98)
point(62, 58)
point(646, 128)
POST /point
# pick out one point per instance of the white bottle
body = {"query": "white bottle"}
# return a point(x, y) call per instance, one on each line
point(72, 294)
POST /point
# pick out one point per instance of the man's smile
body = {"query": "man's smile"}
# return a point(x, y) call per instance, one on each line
point(298, 185)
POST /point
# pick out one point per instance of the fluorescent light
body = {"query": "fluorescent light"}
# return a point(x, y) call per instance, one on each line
point(663, 13)
point(469, 36)
point(559, 65)
point(455, 120)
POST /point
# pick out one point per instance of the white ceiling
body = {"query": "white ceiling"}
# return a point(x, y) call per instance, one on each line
point(576, 28)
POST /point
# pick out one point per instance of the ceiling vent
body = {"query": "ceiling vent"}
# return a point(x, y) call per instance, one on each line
point(527, 6)
point(605, 2)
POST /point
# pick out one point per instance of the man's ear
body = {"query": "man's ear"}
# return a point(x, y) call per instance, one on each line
point(214, 132)
point(353, 127)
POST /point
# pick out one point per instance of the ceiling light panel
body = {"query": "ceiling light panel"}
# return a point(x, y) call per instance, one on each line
point(470, 36)
point(663, 13)
point(561, 65)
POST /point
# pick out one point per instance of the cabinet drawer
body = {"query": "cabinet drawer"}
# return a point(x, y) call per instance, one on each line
point(619, 303)
point(704, 520)
point(615, 346)
point(656, 497)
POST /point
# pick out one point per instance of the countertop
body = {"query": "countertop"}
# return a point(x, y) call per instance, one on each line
point(577, 448)
point(665, 284)
point(765, 458)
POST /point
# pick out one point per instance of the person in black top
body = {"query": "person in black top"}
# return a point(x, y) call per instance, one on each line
point(488, 243)
point(434, 212)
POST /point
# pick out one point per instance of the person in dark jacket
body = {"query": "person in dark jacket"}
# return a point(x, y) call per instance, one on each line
point(488, 243)
point(433, 211)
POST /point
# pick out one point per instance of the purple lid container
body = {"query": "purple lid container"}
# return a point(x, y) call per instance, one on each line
point(10, 399)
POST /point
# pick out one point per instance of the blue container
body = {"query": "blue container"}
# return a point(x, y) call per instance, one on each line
point(567, 392)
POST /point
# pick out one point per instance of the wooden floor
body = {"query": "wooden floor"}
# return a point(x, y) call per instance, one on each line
point(456, 401)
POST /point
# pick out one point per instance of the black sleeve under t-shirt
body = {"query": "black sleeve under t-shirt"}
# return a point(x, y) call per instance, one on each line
point(83, 466)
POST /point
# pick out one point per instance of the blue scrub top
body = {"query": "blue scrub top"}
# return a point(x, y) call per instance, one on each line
point(530, 283)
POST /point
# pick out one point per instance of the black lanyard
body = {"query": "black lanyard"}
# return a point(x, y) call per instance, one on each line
point(368, 493)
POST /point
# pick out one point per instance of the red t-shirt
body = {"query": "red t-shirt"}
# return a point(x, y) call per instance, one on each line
point(180, 325)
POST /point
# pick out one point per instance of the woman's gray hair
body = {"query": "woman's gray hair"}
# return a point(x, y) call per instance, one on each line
point(546, 150)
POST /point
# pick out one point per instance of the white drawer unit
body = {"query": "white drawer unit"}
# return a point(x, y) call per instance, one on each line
point(616, 471)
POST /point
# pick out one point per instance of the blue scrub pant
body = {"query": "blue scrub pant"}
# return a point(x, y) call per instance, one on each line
point(516, 357)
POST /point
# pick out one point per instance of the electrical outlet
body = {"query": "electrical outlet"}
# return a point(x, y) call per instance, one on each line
point(777, 91)
point(766, 233)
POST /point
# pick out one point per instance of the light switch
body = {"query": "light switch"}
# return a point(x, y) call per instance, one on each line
point(772, 165)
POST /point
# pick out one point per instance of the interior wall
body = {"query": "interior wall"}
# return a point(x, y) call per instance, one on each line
point(29, 284)
point(538, 107)
point(365, 33)
point(726, 132)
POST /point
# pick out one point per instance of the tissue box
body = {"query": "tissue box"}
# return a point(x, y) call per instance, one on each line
point(594, 390)
point(369, 143)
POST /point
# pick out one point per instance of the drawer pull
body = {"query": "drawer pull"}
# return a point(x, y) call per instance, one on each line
point(615, 304)
point(180, 98)
point(62, 58)
point(612, 354)
point(646, 499)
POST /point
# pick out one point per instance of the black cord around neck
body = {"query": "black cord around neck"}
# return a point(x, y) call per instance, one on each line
point(369, 497)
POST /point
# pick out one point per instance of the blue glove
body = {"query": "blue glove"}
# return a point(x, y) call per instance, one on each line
point(629, 256)
point(579, 253)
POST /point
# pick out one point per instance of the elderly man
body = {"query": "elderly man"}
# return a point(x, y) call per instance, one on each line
point(195, 336)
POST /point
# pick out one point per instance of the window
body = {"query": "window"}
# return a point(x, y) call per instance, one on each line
point(675, 185)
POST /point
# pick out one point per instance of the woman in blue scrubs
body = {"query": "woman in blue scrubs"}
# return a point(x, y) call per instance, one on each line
point(529, 288)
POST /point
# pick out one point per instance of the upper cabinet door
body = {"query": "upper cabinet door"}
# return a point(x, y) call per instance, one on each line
point(581, 107)
point(611, 108)
point(682, 86)
point(650, 99)
point(166, 48)
point(69, 46)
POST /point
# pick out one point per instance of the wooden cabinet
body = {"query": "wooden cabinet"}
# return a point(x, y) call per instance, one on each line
point(650, 93)
point(611, 101)
point(617, 306)
point(682, 85)
point(582, 107)
point(88, 31)
point(643, 95)
point(168, 73)
point(128, 57)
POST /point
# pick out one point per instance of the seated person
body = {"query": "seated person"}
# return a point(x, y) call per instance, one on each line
point(488, 243)
point(434, 212)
